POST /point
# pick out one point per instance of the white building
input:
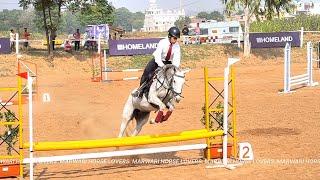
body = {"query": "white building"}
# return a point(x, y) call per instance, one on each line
point(159, 20)
point(307, 7)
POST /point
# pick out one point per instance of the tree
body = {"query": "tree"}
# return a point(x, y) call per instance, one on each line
point(137, 20)
point(49, 12)
point(69, 22)
point(182, 21)
point(252, 7)
point(17, 20)
point(128, 20)
point(99, 12)
point(215, 15)
point(204, 15)
point(123, 18)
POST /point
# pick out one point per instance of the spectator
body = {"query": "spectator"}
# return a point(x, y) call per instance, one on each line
point(12, 40)
point(185, 32)
point(197, 31)
point(25, 36)
point(53, 36)
point(67, 46)
point(76, 36)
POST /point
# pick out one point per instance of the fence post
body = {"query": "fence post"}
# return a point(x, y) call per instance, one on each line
point(239, 37)
point(17, 44)
point(309, 66)
point(287, 53)
point(301, 37)
point(318, 56)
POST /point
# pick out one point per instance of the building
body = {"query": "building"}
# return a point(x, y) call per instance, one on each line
point(159, 20)
point(312, 8)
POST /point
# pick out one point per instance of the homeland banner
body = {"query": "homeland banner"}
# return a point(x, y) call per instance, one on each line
point(5, 46)
point(133, 46)
point(274, 40)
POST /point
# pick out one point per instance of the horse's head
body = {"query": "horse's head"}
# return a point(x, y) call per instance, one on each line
point(177, 83)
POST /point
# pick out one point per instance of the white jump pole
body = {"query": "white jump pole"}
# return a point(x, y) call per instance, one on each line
point(309, 65)
point(105, 59)
point(306, 79)
point(226, 111)
point(301, 37)
point(17, 43)
point(116, 153)
point(99, 44)
point(287, 60)
point(30, 125)
point(239, 37)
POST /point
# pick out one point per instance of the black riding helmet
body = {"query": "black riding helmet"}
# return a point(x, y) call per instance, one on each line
point(174, 32)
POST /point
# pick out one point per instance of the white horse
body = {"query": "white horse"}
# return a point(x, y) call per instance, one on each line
point(165, 91)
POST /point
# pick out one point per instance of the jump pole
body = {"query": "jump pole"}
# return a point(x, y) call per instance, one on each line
point(109, 154)
point(124, 141)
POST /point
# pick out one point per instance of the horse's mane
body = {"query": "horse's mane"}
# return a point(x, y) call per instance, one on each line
point(167, 71)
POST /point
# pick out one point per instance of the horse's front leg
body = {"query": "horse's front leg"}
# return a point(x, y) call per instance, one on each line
point(170, 106)
point(155, 100)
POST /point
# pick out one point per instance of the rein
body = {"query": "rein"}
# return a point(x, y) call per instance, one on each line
point(169, 83)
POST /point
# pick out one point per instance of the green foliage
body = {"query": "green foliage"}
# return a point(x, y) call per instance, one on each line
point(137, 20)
point(123, 18)
point(128, 20)
point(182, 21)
point(309, 22)
point(69, 23)
point(215, 15)
point(100, 12)
point(11, 133)
point(215, 118)
point(17, 20)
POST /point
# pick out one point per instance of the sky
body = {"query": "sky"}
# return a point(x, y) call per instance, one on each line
point(190, 6)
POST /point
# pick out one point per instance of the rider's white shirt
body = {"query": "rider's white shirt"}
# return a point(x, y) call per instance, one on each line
point(161, 52)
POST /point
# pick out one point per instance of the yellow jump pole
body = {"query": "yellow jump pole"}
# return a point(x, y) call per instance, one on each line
point(207, 119)
point(20, 120)
point(234, 115)
point(125, 141)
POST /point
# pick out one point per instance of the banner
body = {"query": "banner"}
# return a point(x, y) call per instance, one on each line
point(133, 46)
point(95, 30)
point(274, 40)
point(5, 46)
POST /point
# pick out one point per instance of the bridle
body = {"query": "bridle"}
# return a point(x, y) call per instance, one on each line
point(169, 85)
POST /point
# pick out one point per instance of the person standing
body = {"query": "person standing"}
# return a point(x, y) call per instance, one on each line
point(197, 31)
point(53, 36)
point(25, 36)
point(185, 32)
point(12, 40)
point(76, 36)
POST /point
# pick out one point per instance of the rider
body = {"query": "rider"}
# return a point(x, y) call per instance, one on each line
point(167, 52)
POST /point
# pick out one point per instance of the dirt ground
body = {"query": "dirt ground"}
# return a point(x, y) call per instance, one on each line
point(279, 127)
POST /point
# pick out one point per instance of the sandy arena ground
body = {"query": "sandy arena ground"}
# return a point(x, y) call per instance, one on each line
point(279, 127)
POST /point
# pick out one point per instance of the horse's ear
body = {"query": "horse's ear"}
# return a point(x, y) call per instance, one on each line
point(186, 70)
